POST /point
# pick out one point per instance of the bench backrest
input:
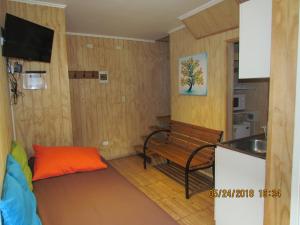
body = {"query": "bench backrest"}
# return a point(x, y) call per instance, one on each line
point(191, 136)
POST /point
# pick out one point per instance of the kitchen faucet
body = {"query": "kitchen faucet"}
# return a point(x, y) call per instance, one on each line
point(265, 128)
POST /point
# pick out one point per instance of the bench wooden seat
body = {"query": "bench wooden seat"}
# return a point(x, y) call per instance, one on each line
point(190, 147)
point(180, 156)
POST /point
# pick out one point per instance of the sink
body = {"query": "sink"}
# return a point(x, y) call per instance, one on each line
point(254, 145)
point(259, 146)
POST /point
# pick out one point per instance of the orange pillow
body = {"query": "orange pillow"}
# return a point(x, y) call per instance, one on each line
point(57, 161)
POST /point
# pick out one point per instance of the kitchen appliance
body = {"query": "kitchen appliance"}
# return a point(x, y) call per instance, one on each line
point(241, 130)
point(239, 102)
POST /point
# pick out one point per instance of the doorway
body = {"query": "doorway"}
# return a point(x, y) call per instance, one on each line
point(247, 99)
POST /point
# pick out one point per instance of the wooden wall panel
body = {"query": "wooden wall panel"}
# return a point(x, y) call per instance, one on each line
point(285, 21)
point(5, 113)
point(221, 17)
point(44, 116)
point(208, 111)
point(138, 74)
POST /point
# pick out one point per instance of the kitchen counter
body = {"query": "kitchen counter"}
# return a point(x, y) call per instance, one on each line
point(243, 145)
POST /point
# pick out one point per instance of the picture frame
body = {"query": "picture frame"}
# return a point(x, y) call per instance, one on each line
point(193, 74)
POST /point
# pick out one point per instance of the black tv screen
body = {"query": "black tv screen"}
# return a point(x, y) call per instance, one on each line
point(26, 40)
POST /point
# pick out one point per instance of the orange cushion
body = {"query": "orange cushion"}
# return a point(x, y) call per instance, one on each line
point(57, 161)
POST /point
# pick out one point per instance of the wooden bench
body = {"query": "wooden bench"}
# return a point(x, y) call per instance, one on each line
point(190, 147)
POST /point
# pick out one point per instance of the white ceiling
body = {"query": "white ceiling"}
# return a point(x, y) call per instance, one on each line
point(141, 19)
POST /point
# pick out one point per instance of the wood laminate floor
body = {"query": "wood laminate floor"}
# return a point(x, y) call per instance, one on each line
point(167, 193)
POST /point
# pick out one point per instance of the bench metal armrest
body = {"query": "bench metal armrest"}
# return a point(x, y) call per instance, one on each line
point(187, 167)
point(195, 152)
point(147, 140)
point(151, 135)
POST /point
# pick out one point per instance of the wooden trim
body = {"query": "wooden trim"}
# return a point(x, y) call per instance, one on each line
point(285, 21)
point(176, 29)
point(83, 75)
point(164, 39)
point(108, 37)
point(229, 91)
point(41, 3)
point(200, 9)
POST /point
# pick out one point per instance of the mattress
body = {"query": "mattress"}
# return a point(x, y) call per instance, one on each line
point(100, 197)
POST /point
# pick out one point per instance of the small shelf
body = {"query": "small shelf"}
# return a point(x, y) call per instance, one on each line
point(240, 112)
point(243, 88)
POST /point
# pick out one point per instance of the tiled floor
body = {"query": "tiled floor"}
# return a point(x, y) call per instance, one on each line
point(168, 194)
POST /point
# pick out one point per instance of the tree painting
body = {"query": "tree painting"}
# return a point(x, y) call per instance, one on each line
point(191, 73)
point(192, 77)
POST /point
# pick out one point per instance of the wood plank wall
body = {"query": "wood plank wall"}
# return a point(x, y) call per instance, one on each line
point(285, 21)
point(5, 113)
point(44, 116)
point(122, 110)
point(208, 111)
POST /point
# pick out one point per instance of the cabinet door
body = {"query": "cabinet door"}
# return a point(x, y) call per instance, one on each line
point(255, 39)
point(237, 171)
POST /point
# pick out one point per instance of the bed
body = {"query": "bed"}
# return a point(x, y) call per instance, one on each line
point(101, 197)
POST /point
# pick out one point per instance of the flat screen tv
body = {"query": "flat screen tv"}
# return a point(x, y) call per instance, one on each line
point(26, 40)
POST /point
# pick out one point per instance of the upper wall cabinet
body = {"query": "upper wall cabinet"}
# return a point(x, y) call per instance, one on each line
point(255, 39)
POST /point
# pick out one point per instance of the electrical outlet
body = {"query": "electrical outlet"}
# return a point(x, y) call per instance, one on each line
point(89, 45)
point(105, 143)
point(103, 77)
point(10, 68)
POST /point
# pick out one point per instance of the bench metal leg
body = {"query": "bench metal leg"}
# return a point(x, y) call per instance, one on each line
point(187, 192)
point(145, 161)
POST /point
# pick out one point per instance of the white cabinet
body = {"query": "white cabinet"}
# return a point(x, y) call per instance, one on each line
point(237, 171)
point(255, 39)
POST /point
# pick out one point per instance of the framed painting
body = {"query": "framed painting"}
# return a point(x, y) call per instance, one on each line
point(193, 74)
